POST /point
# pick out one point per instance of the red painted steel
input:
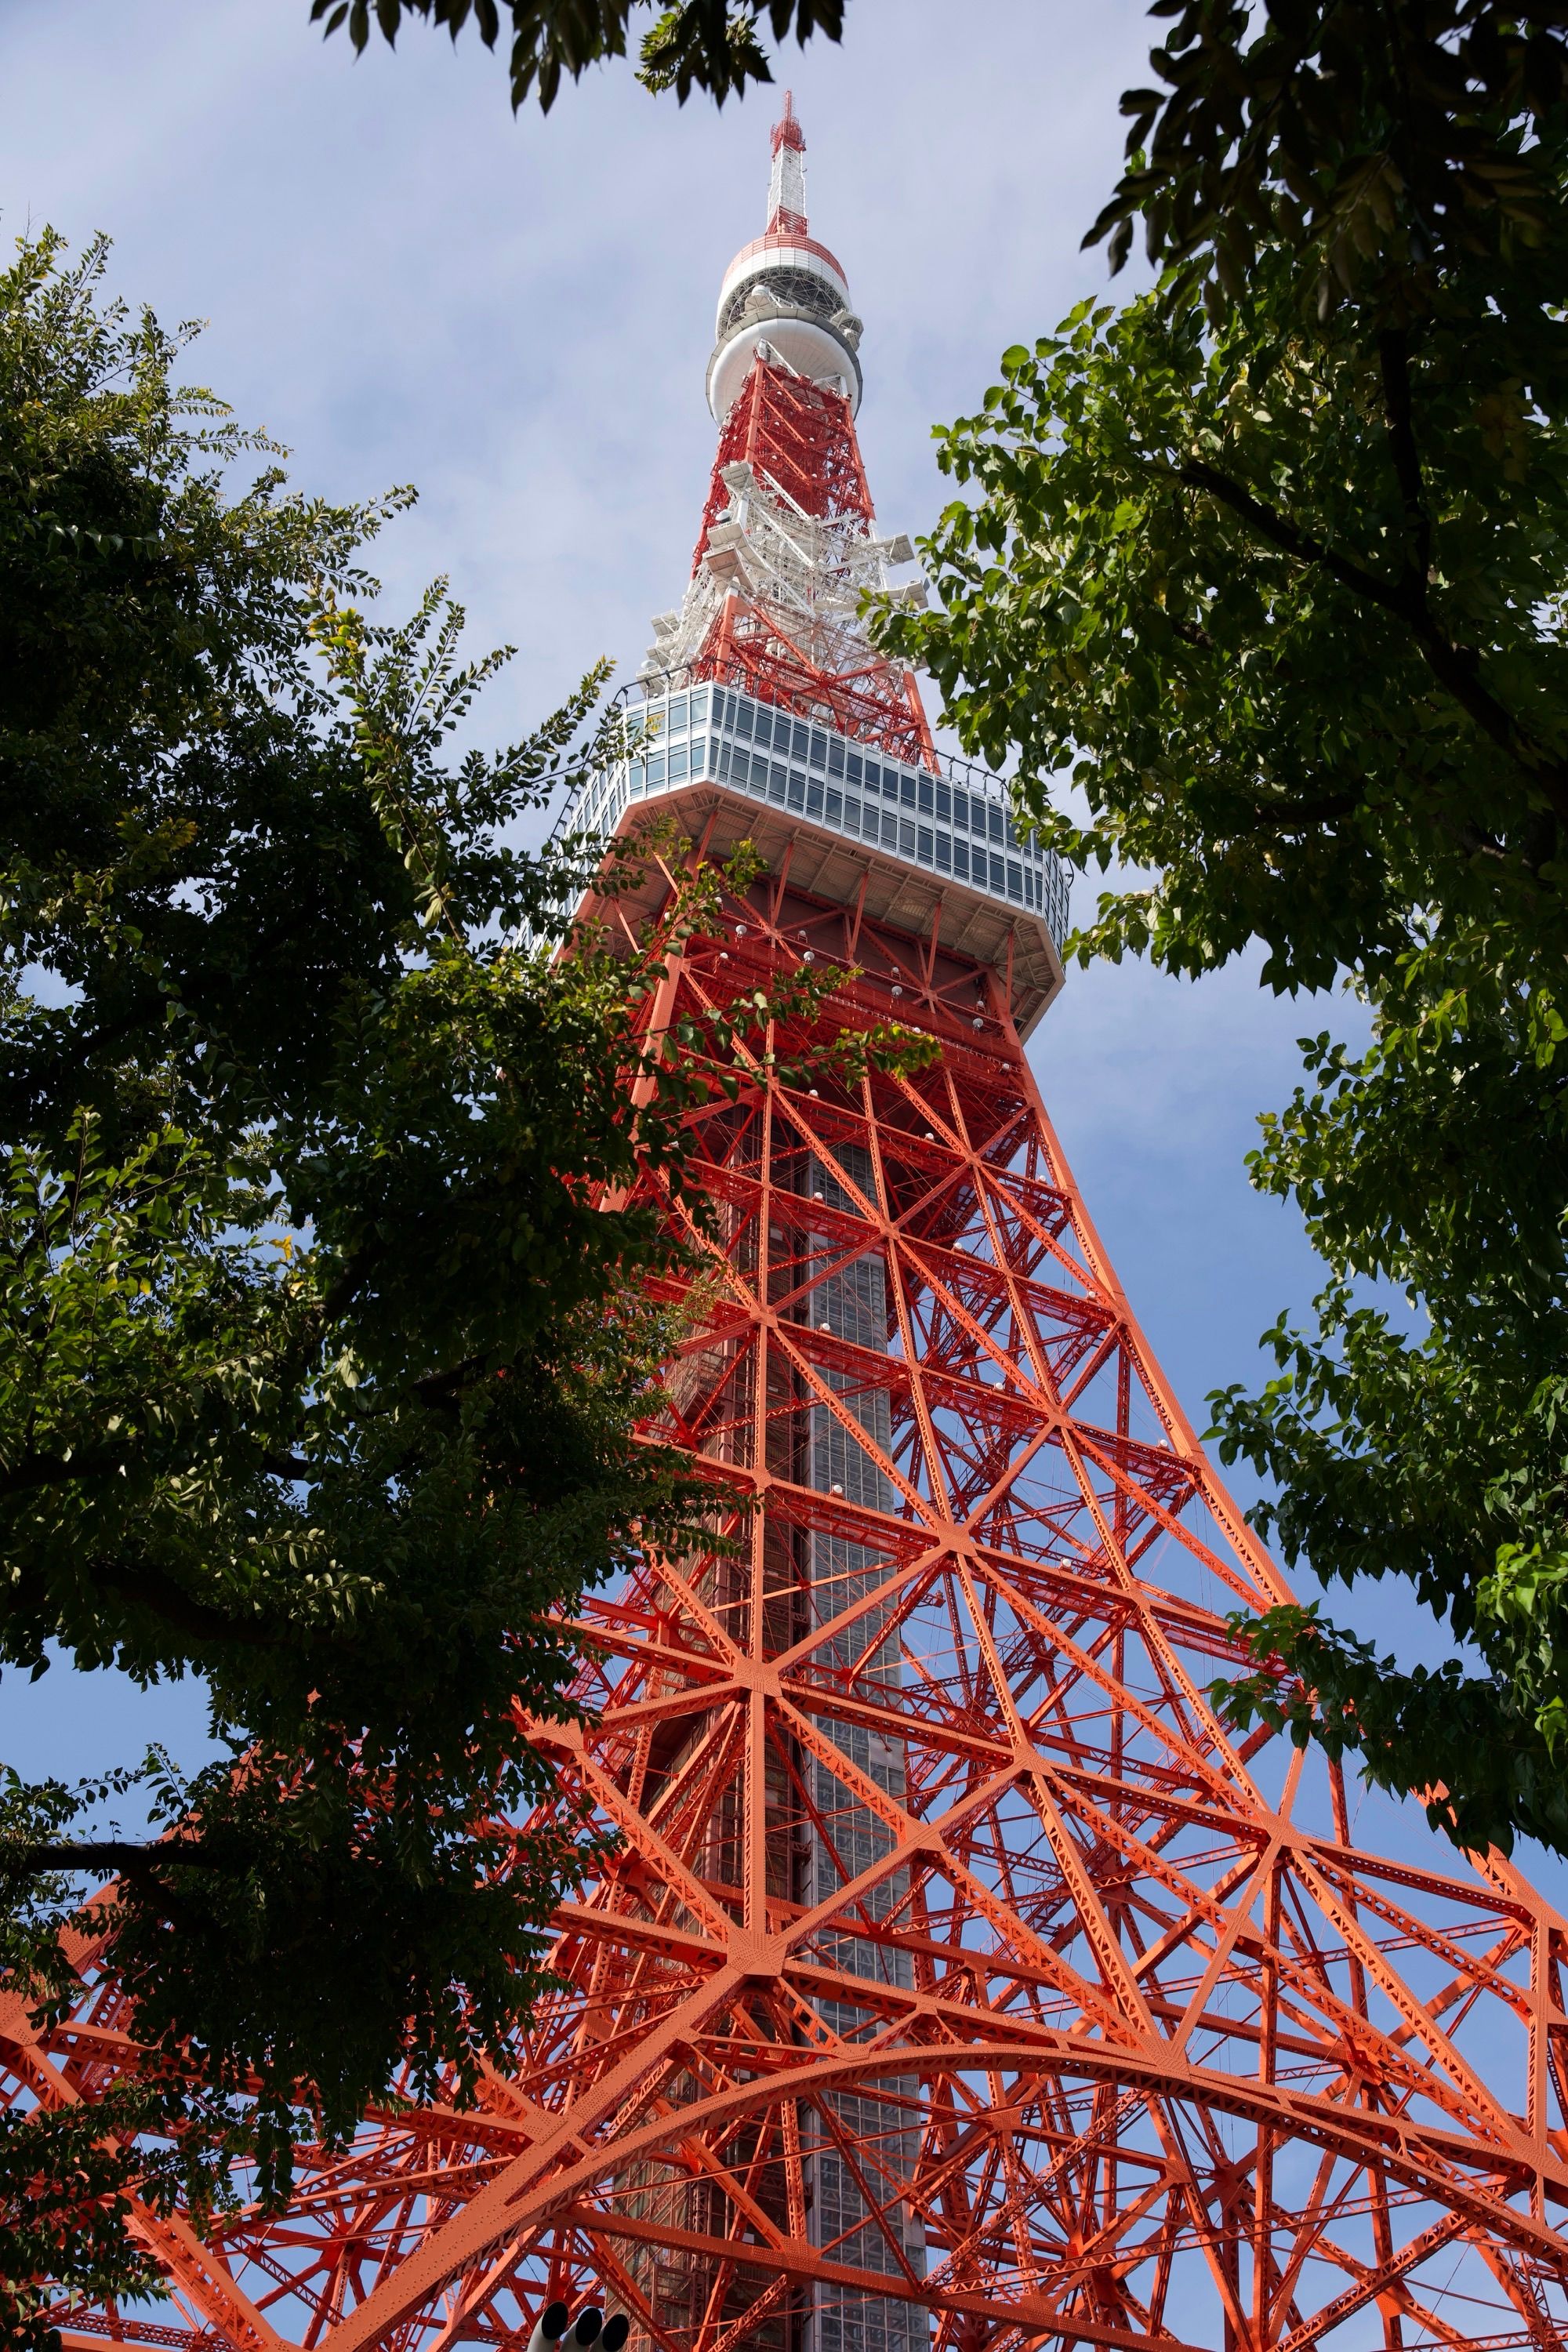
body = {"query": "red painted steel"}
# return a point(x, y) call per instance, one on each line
point(1100, 2028)
point(750, 647)
point(800, 436)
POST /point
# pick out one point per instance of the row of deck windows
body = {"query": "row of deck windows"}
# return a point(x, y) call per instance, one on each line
point(963, 829)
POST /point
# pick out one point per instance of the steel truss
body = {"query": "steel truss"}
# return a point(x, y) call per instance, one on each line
point(783, 558)
point(957, 1973)
point(801, 435)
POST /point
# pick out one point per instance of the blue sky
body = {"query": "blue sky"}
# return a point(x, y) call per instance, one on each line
point(405, 284)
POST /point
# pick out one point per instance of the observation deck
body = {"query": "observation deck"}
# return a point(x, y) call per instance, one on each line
point(919, 848)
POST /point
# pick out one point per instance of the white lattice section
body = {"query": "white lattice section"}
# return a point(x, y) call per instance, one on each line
point(812, 575)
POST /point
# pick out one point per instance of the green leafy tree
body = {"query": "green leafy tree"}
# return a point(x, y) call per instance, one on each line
point(1274, 578)
point(321, 1357)
point(1324, 115)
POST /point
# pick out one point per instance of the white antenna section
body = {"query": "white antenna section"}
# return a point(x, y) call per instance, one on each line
point(787, 187)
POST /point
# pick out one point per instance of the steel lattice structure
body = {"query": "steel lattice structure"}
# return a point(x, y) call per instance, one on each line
point(801, 435)
point(788, 509)
point(958, 1982)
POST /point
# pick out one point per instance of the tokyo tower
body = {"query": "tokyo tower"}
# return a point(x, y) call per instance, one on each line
point(958, 1981)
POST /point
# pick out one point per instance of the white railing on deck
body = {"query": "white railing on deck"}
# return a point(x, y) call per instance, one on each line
point(953, 823)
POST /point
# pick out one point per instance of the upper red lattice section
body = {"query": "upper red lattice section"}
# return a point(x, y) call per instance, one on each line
point(787, 132)
point(875, 701)
point(797, 436)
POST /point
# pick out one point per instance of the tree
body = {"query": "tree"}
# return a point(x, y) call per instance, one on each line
point(1320, 119)
point(1276, 578)
point(323, 1341)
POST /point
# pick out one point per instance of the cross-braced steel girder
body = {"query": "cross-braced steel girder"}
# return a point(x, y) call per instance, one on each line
point(957, 1975)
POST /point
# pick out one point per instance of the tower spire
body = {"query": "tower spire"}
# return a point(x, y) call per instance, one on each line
point(787, 288)
point(786, 188)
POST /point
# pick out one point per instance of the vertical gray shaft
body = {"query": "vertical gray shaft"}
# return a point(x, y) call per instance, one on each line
point(848, 1836)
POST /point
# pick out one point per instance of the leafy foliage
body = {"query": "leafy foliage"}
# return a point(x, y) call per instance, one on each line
point(1277, 583)
point(63, 2206)
point(320, 1356)
point(707, 45)
point(1383, 141)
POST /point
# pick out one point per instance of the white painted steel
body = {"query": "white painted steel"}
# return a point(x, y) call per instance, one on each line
point(955, 824)
point(811, 347)
point(780, 253)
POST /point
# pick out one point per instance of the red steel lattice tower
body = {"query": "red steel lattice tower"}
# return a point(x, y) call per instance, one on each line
point(960, 1983)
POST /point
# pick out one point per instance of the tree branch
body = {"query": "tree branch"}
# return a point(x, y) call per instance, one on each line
point(288, 1466)
point(1393, 360)
point(347, 1287)
point(1287, 817)
point(35, 1470)
point(1190, 635)
point(151, 1588)
point(1455, 667)
point(32, 1471)
point(444, 1388)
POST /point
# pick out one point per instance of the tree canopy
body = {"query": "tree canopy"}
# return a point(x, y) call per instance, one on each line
point(1383, 141)
point(1274, 580)
point(323, 1341)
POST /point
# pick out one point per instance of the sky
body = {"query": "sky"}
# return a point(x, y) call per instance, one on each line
point(405, 284)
